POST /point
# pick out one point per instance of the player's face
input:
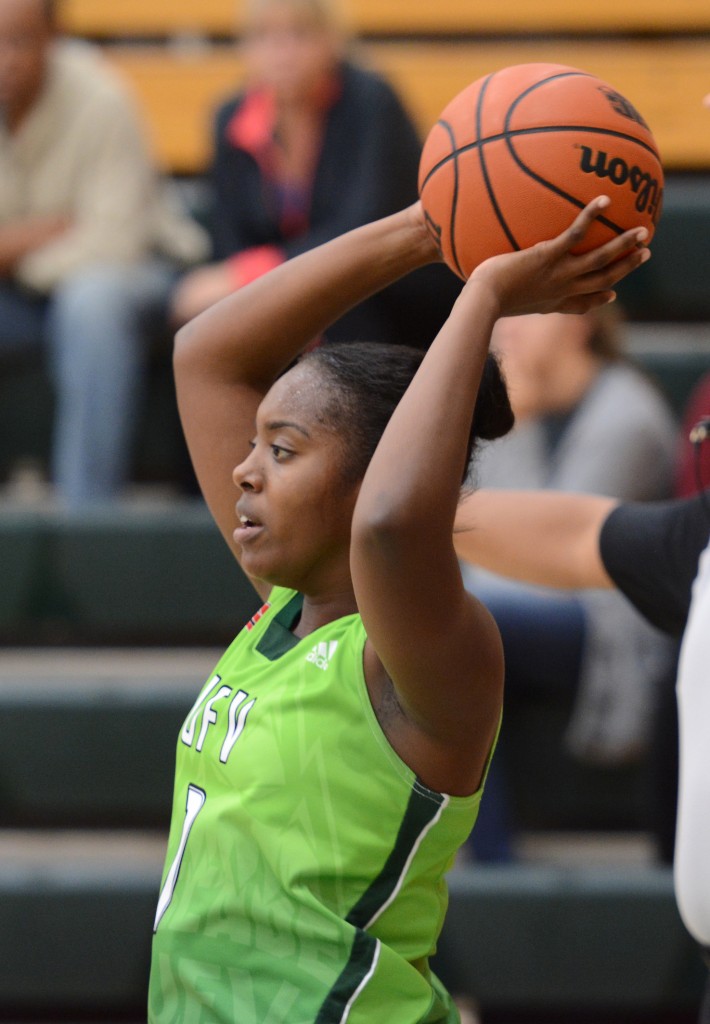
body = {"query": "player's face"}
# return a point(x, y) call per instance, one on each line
point(289, 50)
point(295, 511)
point(25, 39)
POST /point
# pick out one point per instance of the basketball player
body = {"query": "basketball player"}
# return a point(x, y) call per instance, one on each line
point(658, 555)
point(334, 761)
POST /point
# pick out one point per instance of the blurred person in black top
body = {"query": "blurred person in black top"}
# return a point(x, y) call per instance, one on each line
point(314, 145)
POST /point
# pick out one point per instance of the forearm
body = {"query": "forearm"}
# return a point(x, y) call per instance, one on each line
point(253, 334)
point(78, 249)
point(546, 538)
point(20, 238)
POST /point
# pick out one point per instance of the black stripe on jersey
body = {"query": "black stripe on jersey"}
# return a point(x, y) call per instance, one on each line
point(359, 965)
point(421, 810)
point(278, 638)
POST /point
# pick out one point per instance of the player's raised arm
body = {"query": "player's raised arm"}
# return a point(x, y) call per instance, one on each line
point(227, 358)
point(437, 644)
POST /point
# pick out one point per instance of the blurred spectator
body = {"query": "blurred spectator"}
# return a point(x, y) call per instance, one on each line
point(313, 146)
point(693, 461)
point(587, 422)
point(89, 244)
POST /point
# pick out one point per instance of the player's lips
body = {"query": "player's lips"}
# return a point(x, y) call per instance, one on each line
point(249, 526)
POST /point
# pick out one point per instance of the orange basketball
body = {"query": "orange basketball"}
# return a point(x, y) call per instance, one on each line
point(517, 154)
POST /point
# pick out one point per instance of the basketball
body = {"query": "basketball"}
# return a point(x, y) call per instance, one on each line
point(517, 154)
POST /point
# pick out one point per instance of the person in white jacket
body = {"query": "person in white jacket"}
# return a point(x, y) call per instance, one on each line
point(89, 241)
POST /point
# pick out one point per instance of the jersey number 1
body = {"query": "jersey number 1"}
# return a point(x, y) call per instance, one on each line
point(195, 802)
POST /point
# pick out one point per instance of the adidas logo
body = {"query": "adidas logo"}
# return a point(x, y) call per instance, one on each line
point(322, 654)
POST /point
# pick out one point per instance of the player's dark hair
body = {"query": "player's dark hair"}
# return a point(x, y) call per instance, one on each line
point(367, 381)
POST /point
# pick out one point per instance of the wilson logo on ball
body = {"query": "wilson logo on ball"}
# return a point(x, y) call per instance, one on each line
point(642, 184)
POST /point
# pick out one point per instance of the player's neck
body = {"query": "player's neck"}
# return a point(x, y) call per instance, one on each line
point(319, 611)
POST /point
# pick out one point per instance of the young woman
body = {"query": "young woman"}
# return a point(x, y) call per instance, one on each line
point(334, 762)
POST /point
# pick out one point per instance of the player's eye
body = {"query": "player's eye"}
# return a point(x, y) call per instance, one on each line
point(279, 453)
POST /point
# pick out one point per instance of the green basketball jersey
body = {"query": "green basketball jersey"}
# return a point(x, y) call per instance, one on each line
point(304, 878)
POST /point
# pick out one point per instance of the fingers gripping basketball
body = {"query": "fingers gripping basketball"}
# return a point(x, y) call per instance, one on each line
point(518, 153)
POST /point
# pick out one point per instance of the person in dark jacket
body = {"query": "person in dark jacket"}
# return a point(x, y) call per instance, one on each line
point(313, 146)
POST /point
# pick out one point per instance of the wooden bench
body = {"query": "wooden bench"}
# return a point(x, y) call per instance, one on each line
point(179, 88)
point(221, 18)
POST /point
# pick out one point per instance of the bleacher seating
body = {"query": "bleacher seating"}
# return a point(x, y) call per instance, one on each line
point(148, 575)
point(176, 56)
point(179, 88)
point(562, 943)
point(85, 791)
point(536, 943)
point(163, 576)
point(118, 713)
point(122, 713)
point(76, 917)
point(87, 755)
point(374, 17)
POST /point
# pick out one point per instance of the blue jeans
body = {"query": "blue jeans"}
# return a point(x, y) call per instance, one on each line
point(542, 632)
point(97, 327)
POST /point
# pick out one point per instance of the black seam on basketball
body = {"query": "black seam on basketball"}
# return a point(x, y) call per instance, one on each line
point(572, 74)
point(454, 199)
point(543, 129)
point(511, 149)
point(537, 177)
point(484, 170)
point(539, 84)
point(494, 138)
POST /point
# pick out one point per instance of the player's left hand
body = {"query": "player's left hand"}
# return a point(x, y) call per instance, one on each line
point(549, 277)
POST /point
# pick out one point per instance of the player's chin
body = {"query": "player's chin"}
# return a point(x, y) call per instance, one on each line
point(263, 567)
